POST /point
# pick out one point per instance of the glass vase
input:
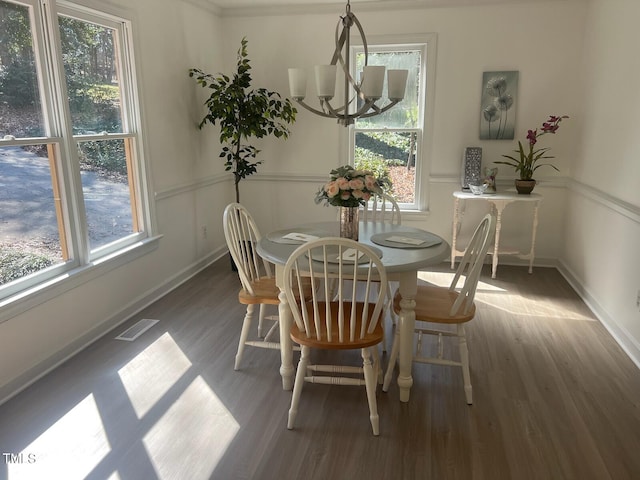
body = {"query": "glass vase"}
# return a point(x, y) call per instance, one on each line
point(349, 222)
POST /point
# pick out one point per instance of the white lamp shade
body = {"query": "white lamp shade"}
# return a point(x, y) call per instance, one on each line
point(372, 81)
point(297, 83)
point(326, 81)
point(397, 83)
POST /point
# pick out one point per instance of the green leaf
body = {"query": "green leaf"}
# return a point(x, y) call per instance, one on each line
point(243, 114)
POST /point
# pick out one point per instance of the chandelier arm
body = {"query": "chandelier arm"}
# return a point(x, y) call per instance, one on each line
point(314, 110)
point(365, 47)
point(368, 104)
point(379, 110)
point(340, 41)
point(337, 111)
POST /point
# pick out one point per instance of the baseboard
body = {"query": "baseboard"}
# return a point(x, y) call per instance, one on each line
point(35, 373)
point(619, 333)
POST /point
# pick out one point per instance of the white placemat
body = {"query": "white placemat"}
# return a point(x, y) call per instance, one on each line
point(348, 256)
point(406, 239)
point(295, 236)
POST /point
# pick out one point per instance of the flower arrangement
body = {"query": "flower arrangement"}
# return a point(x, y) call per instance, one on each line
point(527, 163)
point(348, 187)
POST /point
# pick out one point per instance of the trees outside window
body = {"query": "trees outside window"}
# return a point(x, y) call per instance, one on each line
point(70, 163)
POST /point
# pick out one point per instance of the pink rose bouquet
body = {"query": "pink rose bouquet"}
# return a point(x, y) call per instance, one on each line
point(348, 187)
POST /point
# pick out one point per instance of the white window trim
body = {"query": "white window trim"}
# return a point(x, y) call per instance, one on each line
point(423, 163)
point(85, 264)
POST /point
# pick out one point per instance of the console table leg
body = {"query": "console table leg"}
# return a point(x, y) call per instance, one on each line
point(494, 265)
point(534, 229)
point(456, 214)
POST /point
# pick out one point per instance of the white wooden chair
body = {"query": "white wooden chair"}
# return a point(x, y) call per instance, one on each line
point(447, 305)
point(383, 208)
point(258, 282)
point(350, 321)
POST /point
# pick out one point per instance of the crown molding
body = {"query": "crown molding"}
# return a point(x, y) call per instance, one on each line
point(206, 5)
point(280, 7)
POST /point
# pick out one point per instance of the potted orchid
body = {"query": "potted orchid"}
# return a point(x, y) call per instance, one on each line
point(527, 161)
point(349, 188)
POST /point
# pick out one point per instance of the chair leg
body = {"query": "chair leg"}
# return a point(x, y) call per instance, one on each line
point(297, 386)
point(388, 307)
point(392, 314)
point(370, 382)
point(464, 359)
point(244, 334)
point(377, 364)
point(393, 358)
point(261, 320)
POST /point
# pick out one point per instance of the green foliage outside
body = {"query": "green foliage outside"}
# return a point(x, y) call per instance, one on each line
point(369, 161)
point(16, 264)
point(392, 146)
point(88, 52)
point(105, 156)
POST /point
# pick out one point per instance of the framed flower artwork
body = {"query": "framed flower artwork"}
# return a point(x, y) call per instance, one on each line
point(498, 105)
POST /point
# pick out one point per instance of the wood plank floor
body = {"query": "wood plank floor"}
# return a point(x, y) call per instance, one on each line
point(554, 398)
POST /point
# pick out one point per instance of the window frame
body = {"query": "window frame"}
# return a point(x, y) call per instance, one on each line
point(426, 43)
point(64, 161)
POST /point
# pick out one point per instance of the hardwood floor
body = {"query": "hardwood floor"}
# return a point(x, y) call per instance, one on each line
point(554, 398)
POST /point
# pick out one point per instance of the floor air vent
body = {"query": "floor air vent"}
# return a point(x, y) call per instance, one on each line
point(134, 331)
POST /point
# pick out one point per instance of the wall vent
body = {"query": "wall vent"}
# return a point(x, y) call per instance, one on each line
point(137, 329)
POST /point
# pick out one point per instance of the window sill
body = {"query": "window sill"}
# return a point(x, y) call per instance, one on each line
point(29, 298)
point(414, 214)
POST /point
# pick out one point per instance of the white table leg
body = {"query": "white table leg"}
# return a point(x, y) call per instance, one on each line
point(406, 325)
point(285, 320)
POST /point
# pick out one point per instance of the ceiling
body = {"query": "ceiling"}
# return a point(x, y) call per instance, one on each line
point(371, 3)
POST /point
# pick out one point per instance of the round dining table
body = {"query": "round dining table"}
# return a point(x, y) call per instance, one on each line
point(403, 250)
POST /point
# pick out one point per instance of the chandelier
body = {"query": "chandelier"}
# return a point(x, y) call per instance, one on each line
point(360, 98)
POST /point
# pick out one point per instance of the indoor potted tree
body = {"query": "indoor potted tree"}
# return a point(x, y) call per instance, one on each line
point(527, 162)
point(243, 113)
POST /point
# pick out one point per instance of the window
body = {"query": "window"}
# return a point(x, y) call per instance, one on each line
point(392, 144)
point(71, 171)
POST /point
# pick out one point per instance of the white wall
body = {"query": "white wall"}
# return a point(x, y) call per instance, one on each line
point(542, 40)
point(600, 254)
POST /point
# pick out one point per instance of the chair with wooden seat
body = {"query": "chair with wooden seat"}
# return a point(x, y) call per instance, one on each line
point(258, 282)
point(350, 320)
point(448, 305)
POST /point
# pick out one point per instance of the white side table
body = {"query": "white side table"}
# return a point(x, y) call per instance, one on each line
point(498, 203)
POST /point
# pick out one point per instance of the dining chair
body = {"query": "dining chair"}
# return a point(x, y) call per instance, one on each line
point(448, 305)
point(383, 208)
point(349, 320)
point(256, 277)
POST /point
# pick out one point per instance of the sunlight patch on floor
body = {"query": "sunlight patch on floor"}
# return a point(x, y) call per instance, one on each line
point(69, 449)
point(442, 279)
point(153, 372)
point(516, 304)
point(502, 299)
point(192, 436)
